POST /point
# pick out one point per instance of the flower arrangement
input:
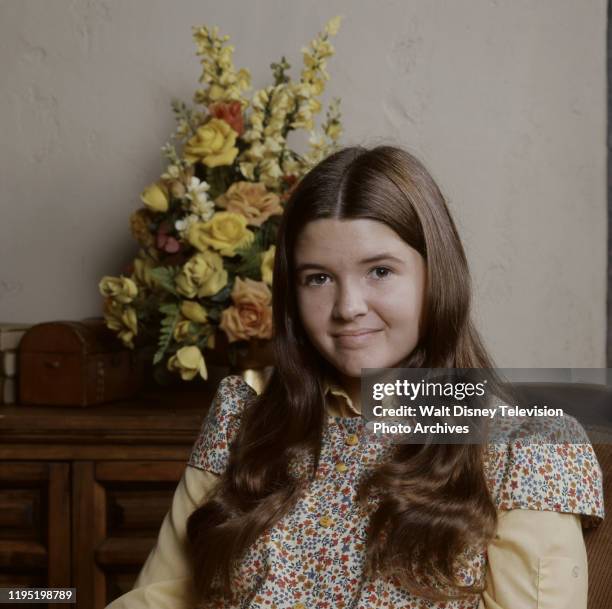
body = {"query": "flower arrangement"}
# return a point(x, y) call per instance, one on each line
point(207, 230)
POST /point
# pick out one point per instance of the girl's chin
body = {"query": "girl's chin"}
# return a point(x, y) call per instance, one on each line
point(354, 369)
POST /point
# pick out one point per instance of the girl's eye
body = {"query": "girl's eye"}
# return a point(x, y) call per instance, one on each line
point(309, 279)
point(312, 279)
point(382, 268)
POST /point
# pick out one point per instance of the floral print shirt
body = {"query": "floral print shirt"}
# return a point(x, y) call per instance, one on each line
point(314, 557)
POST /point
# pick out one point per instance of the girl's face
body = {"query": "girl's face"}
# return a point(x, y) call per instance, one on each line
point(359, 276)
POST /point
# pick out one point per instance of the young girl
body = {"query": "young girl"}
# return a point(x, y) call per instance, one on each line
point(288, 502)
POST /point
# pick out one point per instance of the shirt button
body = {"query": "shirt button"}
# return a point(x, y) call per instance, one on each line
point(325, 521)
point(352, 439)
point(341, 467)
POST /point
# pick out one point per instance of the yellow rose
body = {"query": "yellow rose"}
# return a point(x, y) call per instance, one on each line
point(142, 270)
point(252, 200)
point(251, 315)
point(202, 275)
point(213, 144)
point(194, 311)
point(267, 264)
point(122, 289)
point(189, 362)
point(182, 331)
point(122, 320)
point(225, 231)
point(155, 197)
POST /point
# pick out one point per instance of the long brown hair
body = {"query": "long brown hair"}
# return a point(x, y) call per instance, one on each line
point(434, 499)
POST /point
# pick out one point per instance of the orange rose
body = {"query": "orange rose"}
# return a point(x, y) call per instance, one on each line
point(251, 314)
point(252, 201)
point(231, 113)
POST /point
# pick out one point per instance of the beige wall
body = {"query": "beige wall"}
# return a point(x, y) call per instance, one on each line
point(503, 100)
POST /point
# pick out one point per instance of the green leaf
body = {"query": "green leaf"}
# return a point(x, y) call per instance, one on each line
point(169, 308)
point(166, 331)
point(250, 267)
point(164, 275)
point(217, 179)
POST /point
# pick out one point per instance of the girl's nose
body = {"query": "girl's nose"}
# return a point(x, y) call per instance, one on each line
point(349, 302)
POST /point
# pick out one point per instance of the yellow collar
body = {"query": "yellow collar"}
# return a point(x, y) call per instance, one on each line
point(343, 406)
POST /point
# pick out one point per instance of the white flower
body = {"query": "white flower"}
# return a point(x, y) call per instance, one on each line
point(197, 194)
point(196, 188)
point(183, 225)
point(204, 209)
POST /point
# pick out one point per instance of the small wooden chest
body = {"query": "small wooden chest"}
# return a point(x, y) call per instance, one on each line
point(76, 363)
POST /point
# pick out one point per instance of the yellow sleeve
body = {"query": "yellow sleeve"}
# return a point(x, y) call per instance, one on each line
point(537, 560)
point(165, 581)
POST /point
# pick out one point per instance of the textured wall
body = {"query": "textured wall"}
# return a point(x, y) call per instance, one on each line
point(504, 101)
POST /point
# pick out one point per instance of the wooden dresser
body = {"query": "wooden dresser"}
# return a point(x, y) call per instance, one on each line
point(83, 491)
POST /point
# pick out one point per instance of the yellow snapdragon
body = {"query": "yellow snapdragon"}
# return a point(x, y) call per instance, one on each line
point(278, 109)
point(323, 144)
point(224, 82)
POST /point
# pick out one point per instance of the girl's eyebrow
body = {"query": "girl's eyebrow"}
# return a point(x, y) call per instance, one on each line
point(384, 256)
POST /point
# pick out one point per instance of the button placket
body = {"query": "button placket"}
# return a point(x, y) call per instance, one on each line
point(350, 441)
point(351, 444)
point(340, 465)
